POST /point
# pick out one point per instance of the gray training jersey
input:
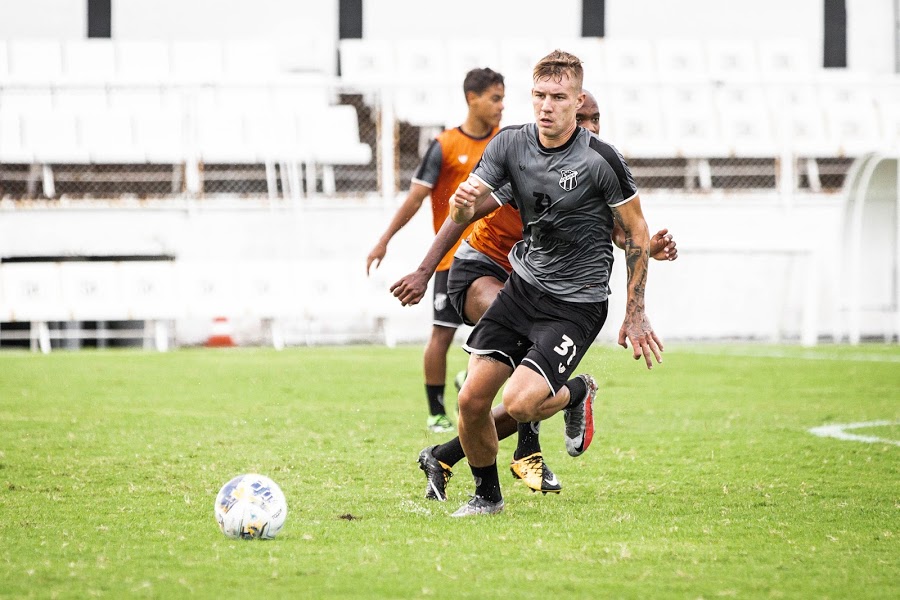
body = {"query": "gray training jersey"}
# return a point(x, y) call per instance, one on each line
point(564, 196)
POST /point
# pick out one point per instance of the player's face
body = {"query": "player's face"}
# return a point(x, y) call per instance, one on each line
point(555, 104)
point(588, 116)
point(488, 106)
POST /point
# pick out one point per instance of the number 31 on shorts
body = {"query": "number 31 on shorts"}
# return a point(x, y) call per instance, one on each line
point(563, 349)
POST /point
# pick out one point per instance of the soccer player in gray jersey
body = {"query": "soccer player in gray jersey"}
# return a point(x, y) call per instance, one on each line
point(570, 188)
point(476, 277)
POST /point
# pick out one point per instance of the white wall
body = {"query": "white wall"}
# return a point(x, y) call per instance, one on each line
point(870, 40)
point(223, 19)
point(62, 19)
point(707, 293)
point(870, 35)
point(415, 19)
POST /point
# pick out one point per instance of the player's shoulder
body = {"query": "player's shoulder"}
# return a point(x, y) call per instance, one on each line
point(606, 150)
point(510, 135)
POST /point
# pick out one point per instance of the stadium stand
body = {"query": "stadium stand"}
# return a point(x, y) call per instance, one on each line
point(119, 120)
point(183, 103)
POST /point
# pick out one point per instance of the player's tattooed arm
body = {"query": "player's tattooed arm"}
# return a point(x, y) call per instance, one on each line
point(636, 327)
point(662, 244)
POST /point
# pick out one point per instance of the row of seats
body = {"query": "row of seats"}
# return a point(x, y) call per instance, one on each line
point(430, 61)
point(642, 120)
point(658, 98)
point(327, 135)
point(89, 61)
point(37, 61)
point(830, 117)
point(192, 289)
point(747, 121)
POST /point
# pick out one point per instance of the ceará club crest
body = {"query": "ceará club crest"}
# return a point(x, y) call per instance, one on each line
point(568, 179)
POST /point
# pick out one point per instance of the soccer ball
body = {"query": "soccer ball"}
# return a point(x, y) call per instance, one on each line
point(251, 506)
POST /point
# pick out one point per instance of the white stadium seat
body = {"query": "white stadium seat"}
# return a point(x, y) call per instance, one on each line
point(732, 60)
point(90, 291)
point(35, 61)
point(464, 54)
point(26, 98)
point(13, 148)
point(267, 289)
point(109, 137)
point(690, 117)
point(745, 121)
point(335, 134)
point(208, 288)
point(425, 106)
point(635, 124)
point(80, 98)
point(250, 60)
point(367, 62)
point(517, 59)
point(161, 135)
point(799, 118)
point(31, 292)
point(53, 137)
point(681, 60)
point(785, 59)
point(148, 289)
point(420, 62)
point(221, 137)
point(630, 60)
point(275, 136)
point(197, 61)
point(849, 100)
point(91, 61)
point(143, 62)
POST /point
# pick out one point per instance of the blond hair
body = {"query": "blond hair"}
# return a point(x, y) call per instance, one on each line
point(558, 64)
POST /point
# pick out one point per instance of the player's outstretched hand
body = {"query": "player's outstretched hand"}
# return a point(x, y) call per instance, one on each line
point(411, 288)
point(644, 342)
point(662, 246)
point(376, 256)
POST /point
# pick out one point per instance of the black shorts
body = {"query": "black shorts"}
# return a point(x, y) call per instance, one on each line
point(463, 274)
point(444, 313)
point(527, 326)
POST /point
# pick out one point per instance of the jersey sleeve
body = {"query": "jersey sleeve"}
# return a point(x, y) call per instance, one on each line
point(504, 195)
point(620, 176)
point(491, 169)
point(430, 167)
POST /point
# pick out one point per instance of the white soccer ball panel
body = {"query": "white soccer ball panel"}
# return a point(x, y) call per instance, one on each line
point(251, 506)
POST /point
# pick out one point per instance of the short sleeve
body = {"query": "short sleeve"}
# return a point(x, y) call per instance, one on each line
point(491, 169)
point(620, 172)
point(430, 167)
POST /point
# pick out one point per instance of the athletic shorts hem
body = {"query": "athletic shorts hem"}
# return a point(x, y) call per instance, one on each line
point(496, 354)
point(527, 362)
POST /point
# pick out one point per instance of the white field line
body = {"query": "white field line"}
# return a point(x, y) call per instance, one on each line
point(801, 354)
point(839, 431)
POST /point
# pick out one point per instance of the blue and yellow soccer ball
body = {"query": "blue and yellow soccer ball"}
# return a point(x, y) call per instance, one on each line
point(251, 506)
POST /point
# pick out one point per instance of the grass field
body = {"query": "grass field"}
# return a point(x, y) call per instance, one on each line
point(703, 479)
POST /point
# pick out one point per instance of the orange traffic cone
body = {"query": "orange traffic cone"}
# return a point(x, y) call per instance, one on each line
point(220, 336)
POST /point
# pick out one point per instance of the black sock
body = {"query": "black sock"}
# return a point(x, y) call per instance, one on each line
point(487, 482)
point(450, 452)
point(577, 391)
point(528, 442)
point(435, 395)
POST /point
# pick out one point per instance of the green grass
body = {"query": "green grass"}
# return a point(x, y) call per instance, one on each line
point(702, 481)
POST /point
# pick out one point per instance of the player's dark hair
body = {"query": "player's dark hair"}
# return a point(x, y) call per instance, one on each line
point(479, 80)
point(558, 63)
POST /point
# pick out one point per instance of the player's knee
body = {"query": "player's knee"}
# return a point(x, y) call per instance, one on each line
point(471, 405)
point(519, 408)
